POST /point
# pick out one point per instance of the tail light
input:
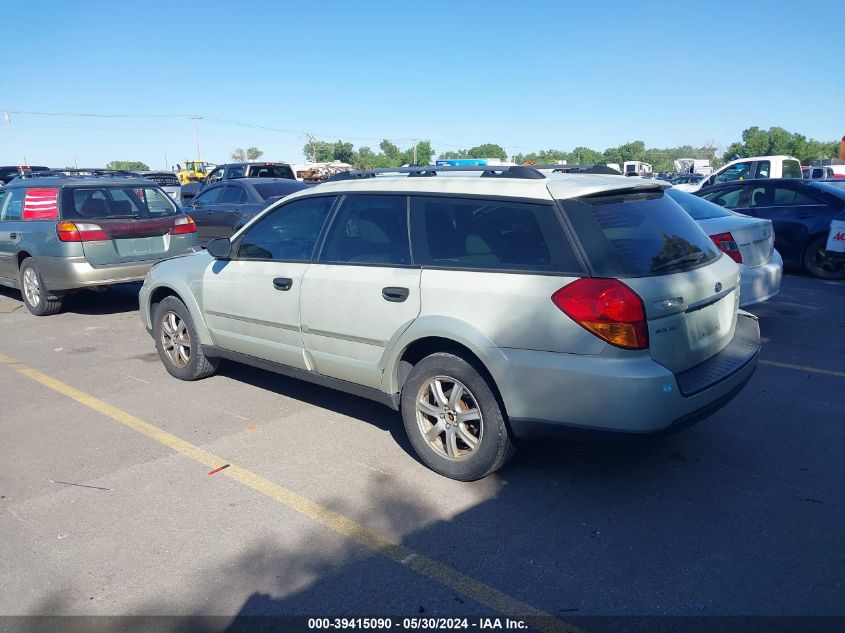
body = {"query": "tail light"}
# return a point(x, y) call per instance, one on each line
point(607, 308)
point(727, 244)
point(184, 224)
point(80, 232)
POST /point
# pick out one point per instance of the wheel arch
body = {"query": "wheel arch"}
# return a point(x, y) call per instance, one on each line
point(181, 292)
point(439, 334)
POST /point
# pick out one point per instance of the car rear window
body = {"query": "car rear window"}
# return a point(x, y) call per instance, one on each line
point(270, 171)
point(638, 234)
point(697, 208)
point(126, 203)
point(269, 190)
point(791, 169)
point(163, 180)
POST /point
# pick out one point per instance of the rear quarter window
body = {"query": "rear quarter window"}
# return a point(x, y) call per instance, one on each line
point(490, 234)
point(638, 234)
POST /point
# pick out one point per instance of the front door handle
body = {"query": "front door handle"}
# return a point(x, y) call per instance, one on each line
point(282, 283)
point(392, 293)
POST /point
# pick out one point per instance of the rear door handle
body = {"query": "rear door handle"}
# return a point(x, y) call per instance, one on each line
point(395, 294)
point(282, 283)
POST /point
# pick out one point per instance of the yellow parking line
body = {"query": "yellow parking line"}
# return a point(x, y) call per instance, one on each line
point(809, 370)
point(376, 541)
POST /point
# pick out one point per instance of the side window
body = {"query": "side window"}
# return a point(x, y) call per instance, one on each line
point(214, 176)
point(740, 171)
point(489, 234)
point(287, 233)
point(233, 195)
point(236, 172)
point(727, 197)
point(762, 197)
point(12, 205)
point(764, 169)
point(791, 169)
point(209, 197)
point(369, 229)
point(804, 199)
point(817, 173)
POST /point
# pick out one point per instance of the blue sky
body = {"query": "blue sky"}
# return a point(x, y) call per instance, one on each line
point(524, 75)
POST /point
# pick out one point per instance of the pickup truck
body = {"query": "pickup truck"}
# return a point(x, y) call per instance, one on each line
point(229, 171)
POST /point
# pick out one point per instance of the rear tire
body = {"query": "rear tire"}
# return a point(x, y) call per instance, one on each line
point(178, 344)
point(819, 264)
point(36, 295)
point(453, 418)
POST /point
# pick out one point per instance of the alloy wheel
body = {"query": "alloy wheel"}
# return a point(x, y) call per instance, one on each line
point(31, 287)
point(449, 418)
point(175, 339)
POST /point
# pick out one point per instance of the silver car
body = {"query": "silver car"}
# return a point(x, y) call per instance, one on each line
point(750, 242)
point(485, 309)
point(63, 231)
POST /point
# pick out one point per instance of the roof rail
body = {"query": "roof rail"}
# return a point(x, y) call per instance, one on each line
point(80, 173)
point(487, 171)
point(580, 169)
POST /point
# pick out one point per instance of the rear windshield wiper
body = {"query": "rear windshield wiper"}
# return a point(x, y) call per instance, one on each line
point(690, 258)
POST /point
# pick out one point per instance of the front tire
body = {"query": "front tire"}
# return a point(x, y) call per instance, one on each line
point(453, 418)
point(36, 296)
point(178, 344)
point(819, 264)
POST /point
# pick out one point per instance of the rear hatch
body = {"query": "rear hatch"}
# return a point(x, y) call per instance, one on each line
point(124, 224)
point(689, 290)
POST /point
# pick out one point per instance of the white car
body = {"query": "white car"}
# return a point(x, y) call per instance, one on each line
point(747, 168)
point(750, 242)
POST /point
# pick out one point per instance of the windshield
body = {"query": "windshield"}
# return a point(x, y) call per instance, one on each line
point(104, 203)
point(270, 171)
point(638, 234)
point(273, 189)
point(697, 208)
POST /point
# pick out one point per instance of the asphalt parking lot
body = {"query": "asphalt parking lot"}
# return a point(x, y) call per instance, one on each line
point(107, 507)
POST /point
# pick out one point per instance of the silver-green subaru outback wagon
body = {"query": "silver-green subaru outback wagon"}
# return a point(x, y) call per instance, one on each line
point(65, 230)
point(485, 307)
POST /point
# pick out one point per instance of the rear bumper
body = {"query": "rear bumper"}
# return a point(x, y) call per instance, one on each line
point(67, 273)
point(762, 282)
point(549, 394)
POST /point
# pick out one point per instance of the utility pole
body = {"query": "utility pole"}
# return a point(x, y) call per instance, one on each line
point(311, 141)
point(197, 127)
point(415, 151)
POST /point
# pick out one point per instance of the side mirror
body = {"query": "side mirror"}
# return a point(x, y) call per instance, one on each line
point(220, 248)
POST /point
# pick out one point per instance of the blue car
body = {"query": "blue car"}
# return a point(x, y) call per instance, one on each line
point(800, 211)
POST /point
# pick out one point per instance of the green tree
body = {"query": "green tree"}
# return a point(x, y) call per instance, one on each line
point(424, 154)
point(389, 149)
point(461, 153)
point(344, 152)
point(253, 153)
point(488, 150)
point(128, 165)
point(584, 156)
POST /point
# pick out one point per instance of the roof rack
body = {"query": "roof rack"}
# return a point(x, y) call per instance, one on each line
point(81, 173)
point(580, 169)
point(487, 171)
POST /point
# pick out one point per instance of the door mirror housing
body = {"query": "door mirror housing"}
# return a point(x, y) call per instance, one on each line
point(220, 248)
